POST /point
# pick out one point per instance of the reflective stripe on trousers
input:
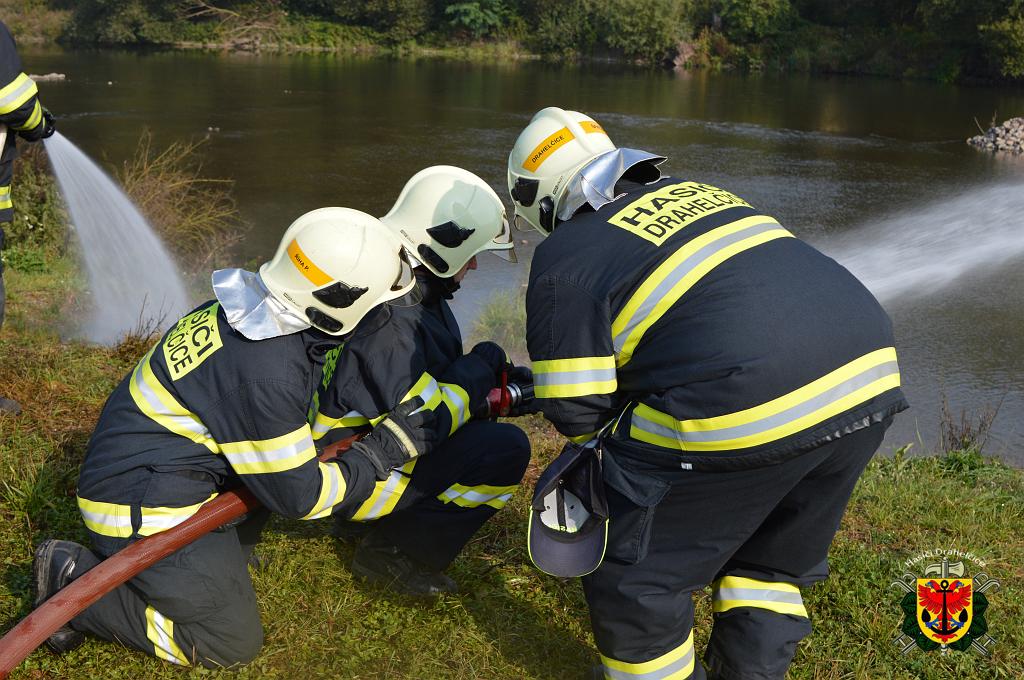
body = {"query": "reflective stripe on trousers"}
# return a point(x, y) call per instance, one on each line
point(730, 592)
point(481, 494)
point(676, 664)
point(160, 631)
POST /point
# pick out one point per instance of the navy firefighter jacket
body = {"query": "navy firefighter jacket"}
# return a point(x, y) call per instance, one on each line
point(415, 352)
point(207, 409)
point(721, 339)
point(407, 351)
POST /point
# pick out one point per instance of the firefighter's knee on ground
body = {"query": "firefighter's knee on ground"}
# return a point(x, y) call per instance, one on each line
point(235, 646)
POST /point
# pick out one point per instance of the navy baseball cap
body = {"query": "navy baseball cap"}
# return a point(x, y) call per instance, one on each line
point(568, 529)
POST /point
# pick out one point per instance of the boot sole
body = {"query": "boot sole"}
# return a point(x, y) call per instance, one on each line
point(41, 569)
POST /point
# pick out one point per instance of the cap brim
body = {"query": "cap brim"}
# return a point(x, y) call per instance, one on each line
point(566, 555)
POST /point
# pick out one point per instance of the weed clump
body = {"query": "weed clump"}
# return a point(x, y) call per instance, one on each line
point(195, 216)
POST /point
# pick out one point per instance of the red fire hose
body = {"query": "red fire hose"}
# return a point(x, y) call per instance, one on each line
point(33, 630)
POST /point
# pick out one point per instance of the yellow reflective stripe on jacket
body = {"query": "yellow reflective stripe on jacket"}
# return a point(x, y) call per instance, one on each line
point(5, 198)
point(33, 119)
point(323, 424)
point(730, 592)
point(577, 377)
point(457, 401)
point(160, 631)
point(481, 494)
point(844, 388)
point(106, 519)
point(427, 389)
point(583, 438)
point(115, 519)
point(158, 404)
point(674, 665)
point(332, 491)
point(385, 494)
point(680, 272)
point(16, 93)
point(279, 454)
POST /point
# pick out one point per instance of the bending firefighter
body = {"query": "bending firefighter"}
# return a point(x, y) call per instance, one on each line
point(426, 511)
point(222, 400)
point(747, 379)
point(22, 115)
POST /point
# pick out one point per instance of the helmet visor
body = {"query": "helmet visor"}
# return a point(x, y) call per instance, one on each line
point(502, 245)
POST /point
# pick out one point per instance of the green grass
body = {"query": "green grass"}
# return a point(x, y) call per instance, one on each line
point(510, 621)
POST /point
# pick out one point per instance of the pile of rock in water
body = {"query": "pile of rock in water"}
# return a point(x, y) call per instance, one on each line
point(1006, 137)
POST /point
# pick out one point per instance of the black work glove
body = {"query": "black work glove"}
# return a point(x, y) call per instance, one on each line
point(41, 131)
point(492, 354)
point(521, 375)
point(400, 437)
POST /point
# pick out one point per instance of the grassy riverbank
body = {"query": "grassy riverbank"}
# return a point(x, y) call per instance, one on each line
point(510, 620)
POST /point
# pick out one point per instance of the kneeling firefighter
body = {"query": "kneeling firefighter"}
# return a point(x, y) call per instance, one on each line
point(222, 400)
point(740, 379)
point(427, 510)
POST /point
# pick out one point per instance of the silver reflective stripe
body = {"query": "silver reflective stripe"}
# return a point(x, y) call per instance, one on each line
point(475, 496)
point(164, 641)
point(19, 93)
point(323, 424)
point(681, 270)
point(118, 521)
point(758, 594)
point(426, 394)
point(452, 397)
point(283, 453)
point(791, 414)
point(574, 377)
point(393, 481)
point(666, 672)
point(333, 471)
point(183, 421)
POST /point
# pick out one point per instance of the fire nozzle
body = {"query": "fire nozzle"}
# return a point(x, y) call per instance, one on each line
point(509, 398)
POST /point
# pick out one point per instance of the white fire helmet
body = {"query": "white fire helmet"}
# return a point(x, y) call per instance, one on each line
point(334, 265)
point(446, 215)
point(548, 153)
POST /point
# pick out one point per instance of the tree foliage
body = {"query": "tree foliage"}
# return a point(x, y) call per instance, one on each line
point(946, 39)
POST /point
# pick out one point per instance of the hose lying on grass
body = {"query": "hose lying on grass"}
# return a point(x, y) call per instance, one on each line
point(33, 630)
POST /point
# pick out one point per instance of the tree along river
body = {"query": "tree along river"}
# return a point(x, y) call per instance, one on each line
point(874, 172)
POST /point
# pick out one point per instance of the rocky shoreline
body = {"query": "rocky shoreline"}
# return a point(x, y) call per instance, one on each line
point(1008, 137)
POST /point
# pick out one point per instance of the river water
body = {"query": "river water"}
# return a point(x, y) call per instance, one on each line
point(874, 172)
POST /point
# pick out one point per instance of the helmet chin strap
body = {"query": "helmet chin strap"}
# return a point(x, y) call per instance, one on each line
point(594, 184)
point(251, 309)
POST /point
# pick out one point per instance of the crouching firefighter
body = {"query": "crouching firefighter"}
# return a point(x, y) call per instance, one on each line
point(427, 510)
point(222, 400)
point(747, 378)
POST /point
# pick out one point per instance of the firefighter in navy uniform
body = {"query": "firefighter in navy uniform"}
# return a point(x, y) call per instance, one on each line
point(20, 114)
point(426, 512)
point(223, 400)
point(749, 378)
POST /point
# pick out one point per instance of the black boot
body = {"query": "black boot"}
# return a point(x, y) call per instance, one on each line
point(348, 531)
point(52, 567)
point(380, 562)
